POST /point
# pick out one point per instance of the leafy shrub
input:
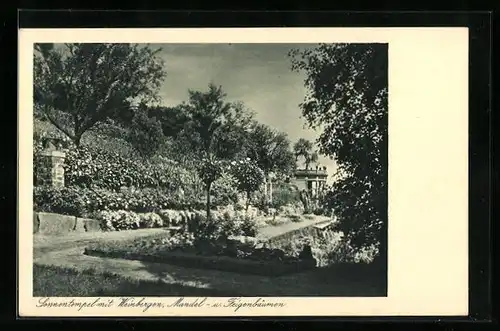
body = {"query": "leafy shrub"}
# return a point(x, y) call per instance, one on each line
point(65, 200)
point(111, 137)
point(224, 190)
point(330, 248)
point(291, 210)
point(145, 134)
point(97, 168)
point(249, 227)
point(118, 220)
point(150, 220)
point(283, 195)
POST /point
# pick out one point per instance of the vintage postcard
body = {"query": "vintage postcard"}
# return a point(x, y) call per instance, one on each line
point(243, 172)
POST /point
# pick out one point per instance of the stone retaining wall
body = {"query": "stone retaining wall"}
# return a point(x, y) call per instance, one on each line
point(57, 224)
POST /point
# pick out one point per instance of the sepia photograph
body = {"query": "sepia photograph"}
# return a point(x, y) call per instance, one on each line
point(210, 169)
point(243, 172)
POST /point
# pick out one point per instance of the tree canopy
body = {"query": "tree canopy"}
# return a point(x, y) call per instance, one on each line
point(82, 84)
point(145, 134)
point(347, 87)
point(214, 126)
point(269, 148)
point(305, 148)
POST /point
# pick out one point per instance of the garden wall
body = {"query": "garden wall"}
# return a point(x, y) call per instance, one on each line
point(57, 224)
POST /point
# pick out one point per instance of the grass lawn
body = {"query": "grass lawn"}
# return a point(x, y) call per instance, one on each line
point(66, 282)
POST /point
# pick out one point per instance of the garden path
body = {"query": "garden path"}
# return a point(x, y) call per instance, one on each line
point(50, 243)
point(311, 283)
point(67, 252)
point(274, 231)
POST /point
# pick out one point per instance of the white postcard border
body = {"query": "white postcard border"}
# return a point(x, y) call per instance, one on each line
point(428, 171)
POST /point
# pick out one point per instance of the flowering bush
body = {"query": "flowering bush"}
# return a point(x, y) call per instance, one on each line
point(118, 220)
point(176, 241)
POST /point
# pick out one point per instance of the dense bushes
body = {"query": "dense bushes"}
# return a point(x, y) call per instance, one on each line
point(66, 200)
point(284, 195)
point(329, 248)
point(81, 202)
point(224, 190)
point(117, 209)
point(127, 220)
point(84, 201)
point(97, 168)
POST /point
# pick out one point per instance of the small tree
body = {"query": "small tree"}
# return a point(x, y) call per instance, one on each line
point(249, 176)
point(212, 125)
point(209, 170)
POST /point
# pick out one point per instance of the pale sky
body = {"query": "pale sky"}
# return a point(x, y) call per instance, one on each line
point(259, 75)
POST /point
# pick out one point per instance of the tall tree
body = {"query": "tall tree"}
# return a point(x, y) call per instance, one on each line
point(304, 148)
point(347, 96)
point(77, 86)
point(310, 158)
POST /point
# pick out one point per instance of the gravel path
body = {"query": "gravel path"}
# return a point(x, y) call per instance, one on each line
point(312, 283)
point(273, 231)
point(67, 251)
point(43, 244)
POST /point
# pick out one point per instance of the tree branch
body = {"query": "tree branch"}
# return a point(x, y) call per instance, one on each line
point(57, 125)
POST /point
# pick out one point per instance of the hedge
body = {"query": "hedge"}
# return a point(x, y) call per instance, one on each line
point(82, 202)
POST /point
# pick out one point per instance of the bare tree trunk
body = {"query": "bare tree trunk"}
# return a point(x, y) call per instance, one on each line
point(265, 189)
point(78, 140)
point(247, 202)
point(208, 200)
